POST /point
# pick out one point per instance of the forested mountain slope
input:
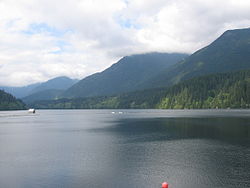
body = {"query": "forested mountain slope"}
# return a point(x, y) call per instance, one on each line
point(230, 52)
point(221, 90)
point(8, 102)
point(124, 76)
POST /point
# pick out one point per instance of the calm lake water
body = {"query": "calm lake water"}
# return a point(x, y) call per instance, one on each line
point(130, 148)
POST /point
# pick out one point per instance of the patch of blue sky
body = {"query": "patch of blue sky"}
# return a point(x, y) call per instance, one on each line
point(62, 45)
point(11, 23)
point(37, 28)
point(126, 2)
point(127, 23)
point(60, 51)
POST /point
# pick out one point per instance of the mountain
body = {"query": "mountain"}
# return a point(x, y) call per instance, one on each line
point(230, 52)
point(221, 90)
point(49, 94)
point(50, 89)
point(8, 102)
point(124, 76)
point(20, 92)
point(59, 83)
point(206, 79)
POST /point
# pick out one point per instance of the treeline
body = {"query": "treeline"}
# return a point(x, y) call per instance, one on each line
point(136, 100)
point(227, 90)
point(8, 102)
point(224, 90)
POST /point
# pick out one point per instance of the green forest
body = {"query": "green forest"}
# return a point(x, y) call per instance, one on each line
point(8, 102)
point(222, 90)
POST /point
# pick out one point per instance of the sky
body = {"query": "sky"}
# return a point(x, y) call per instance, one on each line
point(43, 39)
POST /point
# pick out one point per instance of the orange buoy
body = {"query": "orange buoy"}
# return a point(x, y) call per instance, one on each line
point(164, 185)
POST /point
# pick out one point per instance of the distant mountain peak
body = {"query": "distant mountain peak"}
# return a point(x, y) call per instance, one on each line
point(60, 83)
point(57, 83)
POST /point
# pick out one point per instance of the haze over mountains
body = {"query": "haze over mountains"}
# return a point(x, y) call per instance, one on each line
point(59, 83)
point(20, 92)
point(123, 83)
point(52, 89)
point(230, 52)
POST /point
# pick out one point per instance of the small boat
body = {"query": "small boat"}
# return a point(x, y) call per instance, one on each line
point(32, 110)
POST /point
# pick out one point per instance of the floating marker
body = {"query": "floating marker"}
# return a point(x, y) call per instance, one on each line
point(164, 185)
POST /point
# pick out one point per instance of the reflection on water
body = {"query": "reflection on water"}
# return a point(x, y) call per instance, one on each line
point(234, 130)
point(84, 148)
point(188, 152)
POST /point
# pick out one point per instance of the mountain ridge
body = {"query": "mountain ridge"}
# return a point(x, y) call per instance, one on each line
point(61, 82)
point(229, 52)
point(219, 90)
point(123, 76)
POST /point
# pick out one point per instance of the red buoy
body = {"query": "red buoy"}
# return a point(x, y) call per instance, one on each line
point(164, 185)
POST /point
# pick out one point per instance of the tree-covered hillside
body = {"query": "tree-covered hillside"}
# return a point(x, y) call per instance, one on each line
point(228, 90)
point(8, 102)
point(230, 52)
point(49, 94)
point(222, 90)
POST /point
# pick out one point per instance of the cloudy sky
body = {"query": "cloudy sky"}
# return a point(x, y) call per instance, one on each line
point(42, 39)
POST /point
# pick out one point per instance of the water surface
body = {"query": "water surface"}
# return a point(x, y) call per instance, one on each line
point(126, 148)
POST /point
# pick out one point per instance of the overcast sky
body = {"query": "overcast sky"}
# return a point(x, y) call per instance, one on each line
point(42, 39)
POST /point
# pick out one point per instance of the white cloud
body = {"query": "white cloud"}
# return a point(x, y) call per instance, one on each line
point(41, 39)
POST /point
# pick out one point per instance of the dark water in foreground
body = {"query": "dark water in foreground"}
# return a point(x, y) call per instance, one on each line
point(135, 148)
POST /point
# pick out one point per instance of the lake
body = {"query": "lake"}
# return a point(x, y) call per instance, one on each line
point(125, 148)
